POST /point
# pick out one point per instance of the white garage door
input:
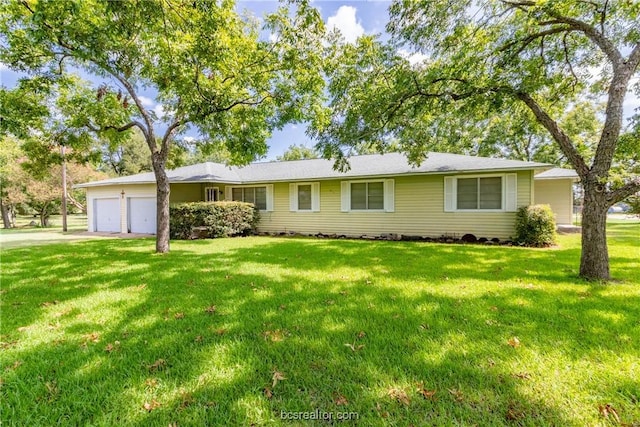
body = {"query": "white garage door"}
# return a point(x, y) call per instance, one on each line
point(107, 215)
point(142, 215)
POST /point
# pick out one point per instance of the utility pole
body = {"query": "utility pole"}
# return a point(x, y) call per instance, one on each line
point(64, 189)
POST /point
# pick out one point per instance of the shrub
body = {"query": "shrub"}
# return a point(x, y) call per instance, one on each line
point(536, 226)
point(220, 219)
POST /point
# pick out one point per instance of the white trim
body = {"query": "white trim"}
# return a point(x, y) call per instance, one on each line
point(213, 190)
point(269, 198)
point(451, 194)
point(293, 199)
point(388, 195)
point(315, 197)
point(510, 183)
point(345, 196)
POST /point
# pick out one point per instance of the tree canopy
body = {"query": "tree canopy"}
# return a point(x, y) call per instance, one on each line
point(298, 152)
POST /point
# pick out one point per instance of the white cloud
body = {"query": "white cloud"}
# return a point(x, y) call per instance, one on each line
point(146, 101)
point(345, 21)
point(273, 37)
point(3, 67)
point(413, 58)
point(160, 111)
point(189, 139)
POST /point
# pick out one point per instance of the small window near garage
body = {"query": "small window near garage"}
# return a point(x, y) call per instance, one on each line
point(212, 194)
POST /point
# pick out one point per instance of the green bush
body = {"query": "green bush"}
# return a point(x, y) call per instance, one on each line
point(536, 226)
point(219, 219)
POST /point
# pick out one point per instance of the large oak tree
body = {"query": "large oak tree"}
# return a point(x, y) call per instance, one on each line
point(211, 69)
point(455, 69)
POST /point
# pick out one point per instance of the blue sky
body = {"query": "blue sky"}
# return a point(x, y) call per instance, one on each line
point(353, 19)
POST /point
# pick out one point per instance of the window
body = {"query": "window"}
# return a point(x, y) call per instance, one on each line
point(481, 193)
point(255, 195)
point(368, 195)
point(304, 197)
point(212, 194)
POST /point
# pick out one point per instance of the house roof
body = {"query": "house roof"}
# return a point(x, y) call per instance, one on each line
point(558, 173)
point(373, 165)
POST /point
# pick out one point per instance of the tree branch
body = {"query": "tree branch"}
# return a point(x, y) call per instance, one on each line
point(529, 39)
point(116, 128)
point(167, 135)
point(566, 145)
point(598, 38)
point(634, 58)
point(625, 191)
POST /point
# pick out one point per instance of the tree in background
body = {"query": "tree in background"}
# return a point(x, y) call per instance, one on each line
point(127, 157)
point(38, 190)
point(455, 69)
point(298, 152)
point(209, 67)
point(10, 173)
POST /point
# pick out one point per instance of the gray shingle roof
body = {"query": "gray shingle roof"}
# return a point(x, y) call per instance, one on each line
point(558, 173)
point(373, 165)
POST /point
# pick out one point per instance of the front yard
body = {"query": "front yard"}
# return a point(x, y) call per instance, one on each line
point(253, 330)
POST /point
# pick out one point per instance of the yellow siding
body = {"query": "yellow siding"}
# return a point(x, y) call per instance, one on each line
point(419, 210)
point(187, 193)
point(558, 193)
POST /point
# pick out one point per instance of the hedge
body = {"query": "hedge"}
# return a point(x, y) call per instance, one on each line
point(536, 226)
point(215, 219)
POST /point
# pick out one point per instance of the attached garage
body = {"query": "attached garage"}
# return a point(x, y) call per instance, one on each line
point(107, 215)
point(141, 215)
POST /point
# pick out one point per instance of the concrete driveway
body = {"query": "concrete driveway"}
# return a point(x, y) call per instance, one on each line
point(20, 238)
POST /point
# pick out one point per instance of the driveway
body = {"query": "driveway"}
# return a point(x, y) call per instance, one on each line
point(20, 238)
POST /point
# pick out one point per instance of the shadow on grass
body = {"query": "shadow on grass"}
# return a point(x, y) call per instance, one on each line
point(108, 327)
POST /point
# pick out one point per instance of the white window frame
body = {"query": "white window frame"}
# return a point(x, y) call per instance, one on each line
point(215, 191)
point(315, 197)
point(509, 197)
point(388, 201)
point(228, 193)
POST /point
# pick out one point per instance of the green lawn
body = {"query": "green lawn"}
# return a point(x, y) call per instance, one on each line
point(234, 331)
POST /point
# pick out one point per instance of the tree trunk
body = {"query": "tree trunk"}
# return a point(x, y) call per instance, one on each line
point(64, 189)
point(44, 215)
point(594, 262)
point(162, 183)
point(6, 221)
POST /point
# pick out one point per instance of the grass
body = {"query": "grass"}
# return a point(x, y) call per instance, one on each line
point(234, 331)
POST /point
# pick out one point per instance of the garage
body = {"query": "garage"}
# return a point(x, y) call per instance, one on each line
point(142, 215)
point(107, 215)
